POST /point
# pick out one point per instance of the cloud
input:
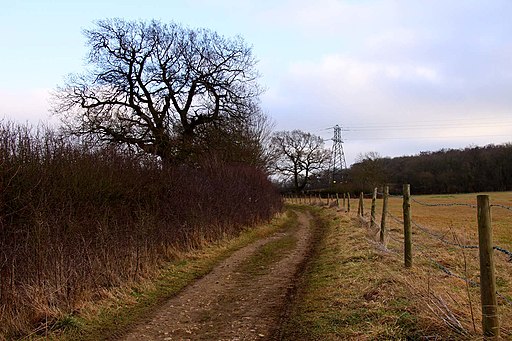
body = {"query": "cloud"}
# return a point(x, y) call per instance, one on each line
point(337, 89)
point(390, 62)
point(359, 89)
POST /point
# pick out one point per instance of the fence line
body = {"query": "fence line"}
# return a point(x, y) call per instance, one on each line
point(502, 206)
point(446, 204)
point(490, 323)
point(441, 237)
point(444, 268)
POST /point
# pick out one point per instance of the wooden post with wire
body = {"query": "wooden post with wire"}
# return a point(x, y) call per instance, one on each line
point(384, 213)
point(337, 200)
point(344, 199)
point(407, 226)
point(372, 211)
point(348, 202)
point(361, 204)
point(490, 322)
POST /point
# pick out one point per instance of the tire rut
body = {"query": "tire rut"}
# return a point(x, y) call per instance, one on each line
point(229, 304)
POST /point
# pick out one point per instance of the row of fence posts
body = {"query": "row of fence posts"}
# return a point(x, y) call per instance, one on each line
point(490, 322)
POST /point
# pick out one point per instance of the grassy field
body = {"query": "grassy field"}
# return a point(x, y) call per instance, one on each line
point(357, 289)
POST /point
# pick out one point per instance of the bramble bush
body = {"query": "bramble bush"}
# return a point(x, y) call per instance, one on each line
point(77, 219)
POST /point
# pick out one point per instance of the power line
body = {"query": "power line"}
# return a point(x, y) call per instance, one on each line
point(424, 137)
point(437, 123)
point(409, 127)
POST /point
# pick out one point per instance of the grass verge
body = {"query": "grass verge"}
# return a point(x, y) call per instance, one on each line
point(110, 318)
point(352, 289)
point(271, 252)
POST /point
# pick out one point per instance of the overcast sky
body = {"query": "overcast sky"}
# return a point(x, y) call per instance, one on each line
point(399, 76)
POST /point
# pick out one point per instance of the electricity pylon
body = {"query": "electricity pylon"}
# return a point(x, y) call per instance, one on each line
point(338, 164)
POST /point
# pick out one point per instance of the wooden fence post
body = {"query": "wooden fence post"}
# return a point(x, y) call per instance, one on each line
point(384, 213)
point(490, 323)
point(344, 199)
point(348, 202)
point(407, 226)
point(361, 204)
point(337, 200)
point(372, 212)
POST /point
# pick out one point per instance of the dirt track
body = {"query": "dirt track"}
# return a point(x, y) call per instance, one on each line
point(230, 303)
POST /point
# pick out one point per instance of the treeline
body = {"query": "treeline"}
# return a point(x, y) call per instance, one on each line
point(77, 219)
point(475, 169)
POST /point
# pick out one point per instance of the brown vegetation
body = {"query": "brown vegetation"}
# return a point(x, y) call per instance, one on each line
point(357, 288)
point(76, 220)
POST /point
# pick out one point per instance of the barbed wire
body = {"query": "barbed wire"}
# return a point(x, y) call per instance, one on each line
point(451, 273)
point(446, 204)
point(394, 218)
point(440, 266)
point(441, 237)
point(468, 280)
point(501, 206)
point(502, 250)
point(390, 236)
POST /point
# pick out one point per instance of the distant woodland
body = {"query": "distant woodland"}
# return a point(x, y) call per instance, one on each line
point(473, 169)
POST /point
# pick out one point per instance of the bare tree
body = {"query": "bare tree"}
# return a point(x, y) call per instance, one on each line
point(297, 155)
point(238, 143)
point(150, 85)
point(368, 171)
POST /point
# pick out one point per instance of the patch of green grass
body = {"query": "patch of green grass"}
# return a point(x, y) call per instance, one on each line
point(346, 292)
point(67, 322)
point(268, 254)
point(274, 250)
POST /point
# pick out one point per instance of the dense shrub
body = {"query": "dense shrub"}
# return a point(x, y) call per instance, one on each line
point(75, 219)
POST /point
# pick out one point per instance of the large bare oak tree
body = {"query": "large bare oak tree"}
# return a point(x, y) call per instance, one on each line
point(298, 155)
point(150, 85)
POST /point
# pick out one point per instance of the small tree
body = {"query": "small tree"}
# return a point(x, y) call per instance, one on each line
point(368, 171)
point(297, 155)
point(152, 85)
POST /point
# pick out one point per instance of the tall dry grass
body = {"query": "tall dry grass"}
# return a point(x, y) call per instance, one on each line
point(76, 220)
point(446, 273)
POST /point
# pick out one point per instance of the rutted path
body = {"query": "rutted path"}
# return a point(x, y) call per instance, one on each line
point(234, 301)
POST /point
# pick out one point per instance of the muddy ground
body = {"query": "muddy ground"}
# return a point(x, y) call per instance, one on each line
point(235, 301)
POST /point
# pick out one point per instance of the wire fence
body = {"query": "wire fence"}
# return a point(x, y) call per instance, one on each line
point(445, 236)
point(487, 279)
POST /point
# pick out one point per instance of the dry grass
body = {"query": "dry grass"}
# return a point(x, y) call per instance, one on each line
point(433, 257)
point(357, 289)
point(109, 317)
